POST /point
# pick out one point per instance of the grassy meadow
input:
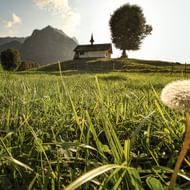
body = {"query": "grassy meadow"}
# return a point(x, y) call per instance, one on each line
point(110, 127)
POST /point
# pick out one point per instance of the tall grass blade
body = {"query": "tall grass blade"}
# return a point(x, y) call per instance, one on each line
point(92, 174)
point(17, 162)
point(134, 179)
point(138, 129)
point(127, 151)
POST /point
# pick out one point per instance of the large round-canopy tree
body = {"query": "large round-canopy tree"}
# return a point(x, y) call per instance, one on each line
point(128, 28)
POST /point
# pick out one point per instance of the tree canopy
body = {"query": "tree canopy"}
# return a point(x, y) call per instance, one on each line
point(128, 28)
point(10, 59)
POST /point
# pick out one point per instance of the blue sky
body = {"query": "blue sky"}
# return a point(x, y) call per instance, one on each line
point(170, 39)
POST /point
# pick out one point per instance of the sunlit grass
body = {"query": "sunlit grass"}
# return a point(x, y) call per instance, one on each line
point(55, 129)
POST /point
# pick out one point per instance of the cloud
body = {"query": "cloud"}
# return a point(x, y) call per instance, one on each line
point(54, 6)
point(14, 21)
point(9, 27)
point(71, 18)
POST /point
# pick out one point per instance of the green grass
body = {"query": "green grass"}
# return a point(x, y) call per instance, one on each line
point(110, 127)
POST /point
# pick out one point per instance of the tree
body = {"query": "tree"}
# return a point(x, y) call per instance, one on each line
point(10, 59)
point(128, 28)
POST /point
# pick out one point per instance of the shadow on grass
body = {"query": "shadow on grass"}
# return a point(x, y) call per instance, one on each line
point(112, 78)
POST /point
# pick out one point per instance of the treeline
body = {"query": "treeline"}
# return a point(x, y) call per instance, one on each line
point(11, 61)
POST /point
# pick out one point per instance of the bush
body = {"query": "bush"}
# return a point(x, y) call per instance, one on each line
point(10, 59)
point(26, 65)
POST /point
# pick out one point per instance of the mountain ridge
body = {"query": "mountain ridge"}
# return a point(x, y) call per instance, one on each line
point(4, 40)
point(43, 46)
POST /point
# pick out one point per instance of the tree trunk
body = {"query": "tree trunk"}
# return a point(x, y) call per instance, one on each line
point(124, 55)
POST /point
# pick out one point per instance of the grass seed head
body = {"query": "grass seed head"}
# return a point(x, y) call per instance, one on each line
point(177, 95)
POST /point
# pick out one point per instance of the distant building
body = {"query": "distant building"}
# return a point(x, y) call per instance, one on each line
point(93, 50)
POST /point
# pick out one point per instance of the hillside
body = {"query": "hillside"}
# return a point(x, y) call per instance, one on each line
point(118, 65)
point(12, 44)
point(5, 40)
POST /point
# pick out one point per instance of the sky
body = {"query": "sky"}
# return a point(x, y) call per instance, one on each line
point(170, 39)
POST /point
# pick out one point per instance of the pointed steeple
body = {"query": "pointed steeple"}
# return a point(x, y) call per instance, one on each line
point(92, 39)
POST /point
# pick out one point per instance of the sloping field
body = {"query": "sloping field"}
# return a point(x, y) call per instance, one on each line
point(118, 65)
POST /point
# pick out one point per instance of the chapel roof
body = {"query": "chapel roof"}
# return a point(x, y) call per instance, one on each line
point(94, 47)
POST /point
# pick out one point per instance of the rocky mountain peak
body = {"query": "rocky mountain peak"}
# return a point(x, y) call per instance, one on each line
point(44, 46)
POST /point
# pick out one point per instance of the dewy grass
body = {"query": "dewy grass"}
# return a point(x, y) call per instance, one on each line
point(70, 130)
